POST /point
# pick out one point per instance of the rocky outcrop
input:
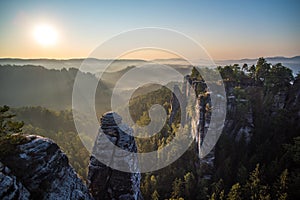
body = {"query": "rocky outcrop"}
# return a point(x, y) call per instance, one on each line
point(105, 182)
point(200, 121)
point(241, 128)
point(10, 187)
point(40, 170)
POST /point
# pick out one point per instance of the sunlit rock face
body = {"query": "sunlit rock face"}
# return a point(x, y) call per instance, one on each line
point(105, 182)
point(42, 171)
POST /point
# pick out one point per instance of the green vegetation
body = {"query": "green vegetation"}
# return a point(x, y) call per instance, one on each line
point(265, 167)
point(7, 125)
point(37, 86)
point(58, 126)
point(10, 130)
point(8, 144)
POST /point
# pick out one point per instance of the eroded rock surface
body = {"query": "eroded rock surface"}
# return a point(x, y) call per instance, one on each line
point(40, 170)
point(105, 182)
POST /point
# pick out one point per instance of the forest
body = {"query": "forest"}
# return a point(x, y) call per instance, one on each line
point(266, 166)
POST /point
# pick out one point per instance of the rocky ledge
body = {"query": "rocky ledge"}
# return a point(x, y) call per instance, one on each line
point(38, 169)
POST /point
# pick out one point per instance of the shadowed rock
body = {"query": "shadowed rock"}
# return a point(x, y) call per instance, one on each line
point(43, 169)
point(105, 182)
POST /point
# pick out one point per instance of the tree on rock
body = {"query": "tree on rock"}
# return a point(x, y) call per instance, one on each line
point(7, 124)
point(261, 71)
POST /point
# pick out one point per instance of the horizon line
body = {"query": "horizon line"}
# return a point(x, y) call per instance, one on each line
point(139, 59)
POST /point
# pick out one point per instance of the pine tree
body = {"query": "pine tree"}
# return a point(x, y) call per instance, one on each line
point(254, 187)
point(155, 195)
point(262, 70)
point(281, 186)
point(218, 190)
point(177, 188)
point(189, 185)
point(7, 124)
point(235, 192)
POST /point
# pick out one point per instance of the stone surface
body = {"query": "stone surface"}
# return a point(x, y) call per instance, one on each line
point(43, 169)
point(105, 182)
point(10, 187)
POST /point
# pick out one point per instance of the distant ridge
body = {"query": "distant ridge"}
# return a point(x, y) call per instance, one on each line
point(154, 60)
point(97, 65)
point(282, 58)
point(94, 65)
point(66, 59)
point(294, 58)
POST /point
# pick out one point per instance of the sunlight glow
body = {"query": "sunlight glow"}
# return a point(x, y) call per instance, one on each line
point(45, 35)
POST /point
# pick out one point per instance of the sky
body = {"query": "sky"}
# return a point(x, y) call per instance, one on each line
point(229, 29)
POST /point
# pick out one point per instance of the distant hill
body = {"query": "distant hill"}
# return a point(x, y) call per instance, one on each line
point(292, 62)
point(37, 86)
point(97, 66)
point(31, 85)
point(92, 64)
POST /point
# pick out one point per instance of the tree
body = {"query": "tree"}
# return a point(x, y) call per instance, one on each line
point(153, 182)
point(245, 67)
point(227, 73)
point(279, 76)
point(155, 195)
point(177, 188)
point(195, 74)
point(262, 70)
point(7, 124)
point(291, 159)
point(189, 185)
point(218, 190)
point(251, 71)
point(254, 187)
point(235, 192)
point(281, 186)
point(144, 120)
point(146, 187)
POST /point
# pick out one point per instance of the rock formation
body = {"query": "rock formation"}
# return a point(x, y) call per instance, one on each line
point(10, 187)
point(38, 169)
point(201, 121)
point(105, 182)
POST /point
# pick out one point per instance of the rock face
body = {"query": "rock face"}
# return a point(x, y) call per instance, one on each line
point(40, 170)
point(105, 182)
point(201, 121)
point(10, 187)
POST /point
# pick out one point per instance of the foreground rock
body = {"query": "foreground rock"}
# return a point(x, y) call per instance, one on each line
point(105, 182)
point(10, 187)
point(40, 170)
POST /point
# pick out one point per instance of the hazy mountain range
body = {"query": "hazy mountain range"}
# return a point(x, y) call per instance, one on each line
point(109, 65)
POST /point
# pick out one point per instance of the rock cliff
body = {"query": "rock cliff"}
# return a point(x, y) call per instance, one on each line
point(201, 120)
point(38, 169)
point(105, 182)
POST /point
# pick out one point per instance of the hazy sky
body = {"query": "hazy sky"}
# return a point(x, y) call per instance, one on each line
point(227, 29)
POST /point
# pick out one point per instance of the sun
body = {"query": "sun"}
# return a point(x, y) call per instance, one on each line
point(45, 35)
